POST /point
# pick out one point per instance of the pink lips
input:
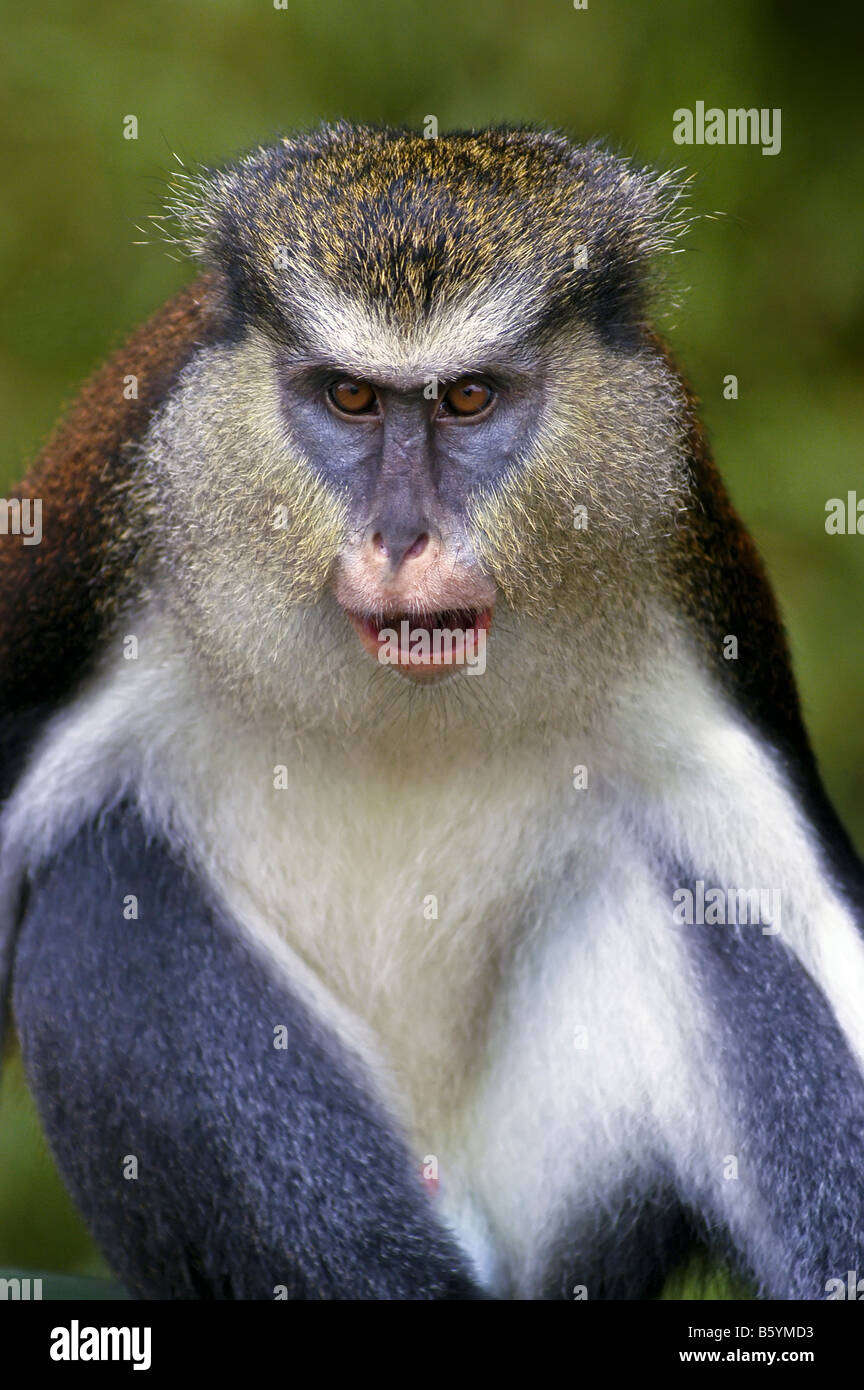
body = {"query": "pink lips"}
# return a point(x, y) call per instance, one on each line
point(396, 638)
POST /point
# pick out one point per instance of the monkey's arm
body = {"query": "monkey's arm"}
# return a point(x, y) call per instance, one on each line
point(208, 1161)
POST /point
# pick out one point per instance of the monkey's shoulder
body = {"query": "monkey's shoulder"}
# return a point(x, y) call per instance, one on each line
point(59, 591)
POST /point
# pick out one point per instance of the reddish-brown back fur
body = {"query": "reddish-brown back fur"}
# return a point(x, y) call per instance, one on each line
point(53, 596)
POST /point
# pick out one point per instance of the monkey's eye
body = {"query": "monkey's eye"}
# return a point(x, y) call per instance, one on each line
point(469, 396)
point(353, 397)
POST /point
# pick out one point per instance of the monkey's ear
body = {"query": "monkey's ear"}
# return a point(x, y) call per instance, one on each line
point(649, 205)
point(218, 218)
point(631, 217)
point(192, 215)
point(619, 223)
point(208, 212)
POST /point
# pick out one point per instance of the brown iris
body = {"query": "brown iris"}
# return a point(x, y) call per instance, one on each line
point(352, 397)
point(468, 397)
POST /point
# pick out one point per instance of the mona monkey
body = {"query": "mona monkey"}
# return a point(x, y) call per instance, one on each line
point(339, 977)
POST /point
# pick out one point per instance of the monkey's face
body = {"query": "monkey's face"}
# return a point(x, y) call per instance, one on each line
point(409, 457)
point(434, 411)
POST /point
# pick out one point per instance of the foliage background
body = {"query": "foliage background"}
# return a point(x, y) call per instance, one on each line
point(772, 289)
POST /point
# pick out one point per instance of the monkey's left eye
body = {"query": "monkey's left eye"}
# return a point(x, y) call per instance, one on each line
point(469, 396)
point(353, 397)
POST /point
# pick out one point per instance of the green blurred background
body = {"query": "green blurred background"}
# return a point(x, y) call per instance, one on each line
point(770, 291)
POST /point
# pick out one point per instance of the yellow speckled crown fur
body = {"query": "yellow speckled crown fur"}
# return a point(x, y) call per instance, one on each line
point(406, 223)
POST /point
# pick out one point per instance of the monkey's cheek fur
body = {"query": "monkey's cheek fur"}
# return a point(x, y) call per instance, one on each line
point(426, 647)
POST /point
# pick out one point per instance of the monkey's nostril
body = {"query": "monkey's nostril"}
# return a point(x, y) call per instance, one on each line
point(395, 548)
point(417, 547)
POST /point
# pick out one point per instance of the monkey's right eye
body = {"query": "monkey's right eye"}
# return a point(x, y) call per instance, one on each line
point(353, 397)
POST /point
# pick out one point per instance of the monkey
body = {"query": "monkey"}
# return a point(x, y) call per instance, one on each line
point(348, 963)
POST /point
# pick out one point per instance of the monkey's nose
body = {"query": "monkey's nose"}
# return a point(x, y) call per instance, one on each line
point(392, 546)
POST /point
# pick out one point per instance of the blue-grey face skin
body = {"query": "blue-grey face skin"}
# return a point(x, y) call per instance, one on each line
point(405, 464)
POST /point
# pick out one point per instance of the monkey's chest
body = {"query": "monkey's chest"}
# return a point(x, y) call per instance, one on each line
point(408, 893)
point(484, 925)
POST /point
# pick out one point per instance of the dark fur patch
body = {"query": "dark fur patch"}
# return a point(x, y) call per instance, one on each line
point(258, 1165)
point(797, 1114)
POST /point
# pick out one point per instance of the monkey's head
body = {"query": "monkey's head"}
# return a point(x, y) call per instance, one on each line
point(433, 402)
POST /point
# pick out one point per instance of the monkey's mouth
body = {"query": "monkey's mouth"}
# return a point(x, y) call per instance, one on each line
point(424, 646)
